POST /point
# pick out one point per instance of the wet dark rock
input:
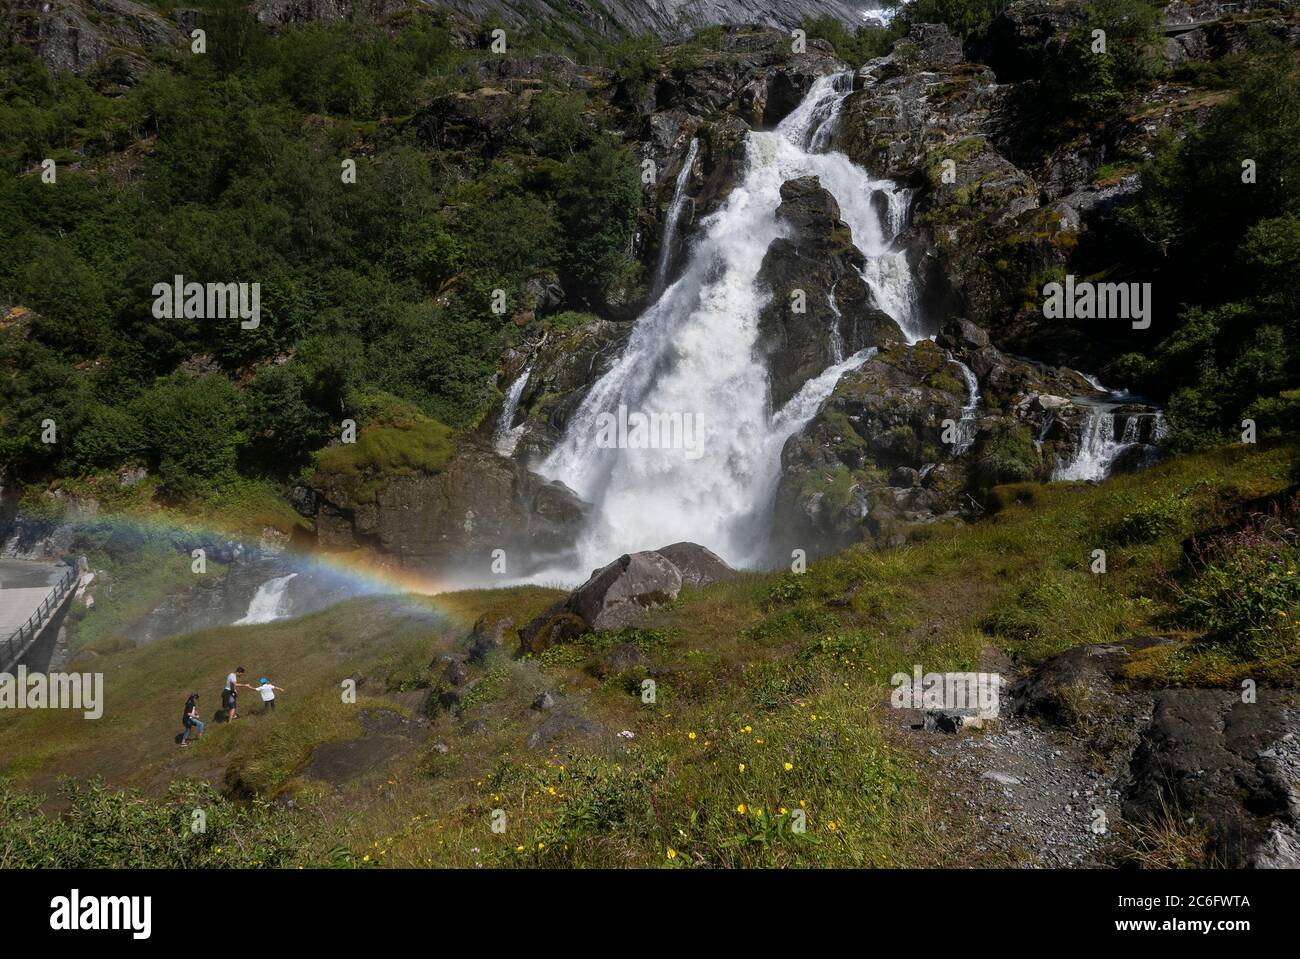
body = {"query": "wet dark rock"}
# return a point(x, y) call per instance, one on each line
point(564, 364)
point(479, 502)
point(836, 484)
point(1225, 765)
point(819, 265)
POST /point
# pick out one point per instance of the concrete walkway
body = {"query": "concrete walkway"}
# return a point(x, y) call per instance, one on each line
point(23, 587)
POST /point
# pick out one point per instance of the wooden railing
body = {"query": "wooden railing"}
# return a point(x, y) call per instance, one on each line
point(22, 638)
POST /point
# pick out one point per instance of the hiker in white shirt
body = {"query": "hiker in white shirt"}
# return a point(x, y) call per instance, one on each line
point(268, 694)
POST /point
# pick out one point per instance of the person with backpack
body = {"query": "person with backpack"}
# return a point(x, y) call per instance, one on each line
point(230, 694)
point(190, 720)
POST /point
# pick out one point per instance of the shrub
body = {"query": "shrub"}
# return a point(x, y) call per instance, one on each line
point(1151, 519)
point(393, 437)
point(193, 430)
point(1006, 455)
point(1246, 592)
point(108, 829)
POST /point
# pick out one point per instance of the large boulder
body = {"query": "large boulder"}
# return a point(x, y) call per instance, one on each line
point(618, 594)
point(698, 565)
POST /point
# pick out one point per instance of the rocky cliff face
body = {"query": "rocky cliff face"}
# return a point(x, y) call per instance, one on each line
point(921, 432)
point(77, 35)
point(666, 18)
point(1006, 196)
point(452, 519)
point(821, 309)
point(72, 36)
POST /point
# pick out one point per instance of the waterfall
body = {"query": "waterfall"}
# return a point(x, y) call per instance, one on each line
point(269, 603)
point(1100, 447)
point(507, 437)
point(670, 221)
point(887, 271)
point(815, 137)
point(837, 334)
point(1097, 449)
point(966, 423)
point(694, 352)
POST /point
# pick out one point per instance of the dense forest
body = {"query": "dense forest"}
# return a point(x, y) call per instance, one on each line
point(229, 166)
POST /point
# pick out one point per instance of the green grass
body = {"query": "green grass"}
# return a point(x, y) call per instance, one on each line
point(750, 675)
point(422, 445)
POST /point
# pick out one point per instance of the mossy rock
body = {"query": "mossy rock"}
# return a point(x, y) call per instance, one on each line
point(1006, 455)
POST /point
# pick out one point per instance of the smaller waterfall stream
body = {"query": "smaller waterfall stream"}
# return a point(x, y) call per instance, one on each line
point(670, 221)
point(837, 331)
point(507, 435)
point(269, 603)
point(1101, 444)
point(966, 424)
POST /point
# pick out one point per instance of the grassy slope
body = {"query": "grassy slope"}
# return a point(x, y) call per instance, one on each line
point(770, 670)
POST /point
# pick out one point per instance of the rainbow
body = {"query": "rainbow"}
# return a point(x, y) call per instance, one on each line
point(369, 573)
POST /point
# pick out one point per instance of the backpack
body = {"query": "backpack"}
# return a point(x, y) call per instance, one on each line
point(189, 704)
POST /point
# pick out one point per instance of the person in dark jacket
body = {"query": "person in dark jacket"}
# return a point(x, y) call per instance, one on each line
point(191, 719)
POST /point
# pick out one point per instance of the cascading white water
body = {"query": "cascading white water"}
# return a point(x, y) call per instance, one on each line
point(837, 332)
point(1099, 447)
point(507, 435)
point(269, 603)
point(887, 271)
point(674, 214)
point(693, 352)
point(966, 423)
